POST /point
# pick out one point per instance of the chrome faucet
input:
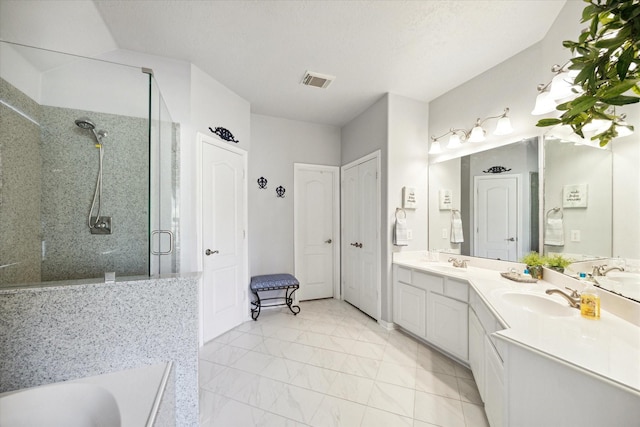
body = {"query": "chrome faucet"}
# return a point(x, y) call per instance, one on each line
point(602, 270)
point(460, 263)
point(573, 299)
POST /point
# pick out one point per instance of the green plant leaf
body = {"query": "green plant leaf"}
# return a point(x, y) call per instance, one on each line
point(548, 122)
point(581, 104)
point(618, 88)
point(624, 62)
point(589, 12)
point(621, 100)
point(586, 73)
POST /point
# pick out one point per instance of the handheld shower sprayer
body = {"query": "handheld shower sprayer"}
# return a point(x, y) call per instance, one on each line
point(95, 222)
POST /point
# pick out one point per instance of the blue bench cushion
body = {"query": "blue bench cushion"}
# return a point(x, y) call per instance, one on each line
point(273, 281)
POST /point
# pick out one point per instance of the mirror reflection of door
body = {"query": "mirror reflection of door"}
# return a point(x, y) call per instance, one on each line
point(496, 220)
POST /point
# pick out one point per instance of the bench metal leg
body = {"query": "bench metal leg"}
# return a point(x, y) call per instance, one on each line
point(255, 310)
point(289, 300)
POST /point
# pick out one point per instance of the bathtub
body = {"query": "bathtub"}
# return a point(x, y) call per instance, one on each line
point(128, 398)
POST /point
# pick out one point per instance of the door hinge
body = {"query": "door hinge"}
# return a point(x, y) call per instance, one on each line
point(244, 234)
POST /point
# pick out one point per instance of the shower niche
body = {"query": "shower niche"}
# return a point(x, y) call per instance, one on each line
point(88, 170)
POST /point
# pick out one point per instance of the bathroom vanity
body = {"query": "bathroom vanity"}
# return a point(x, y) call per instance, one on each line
point(535, 360)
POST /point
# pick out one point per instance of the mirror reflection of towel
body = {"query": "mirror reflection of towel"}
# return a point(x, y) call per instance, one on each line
point(400, 235)
point(554, 232)
point(456, 227)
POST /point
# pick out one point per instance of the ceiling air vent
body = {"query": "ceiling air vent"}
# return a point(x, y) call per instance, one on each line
point(317, 79)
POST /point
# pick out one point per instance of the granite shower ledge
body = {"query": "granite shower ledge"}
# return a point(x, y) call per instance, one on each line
point(124, 280)
point(58, 331)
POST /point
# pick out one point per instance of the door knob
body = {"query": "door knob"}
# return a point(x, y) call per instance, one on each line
point(511, 239)
point(354, 244)
point(328, 241)
point(210, 252)
point(358, 245)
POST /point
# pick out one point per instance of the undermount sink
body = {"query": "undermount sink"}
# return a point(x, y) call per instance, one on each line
point(621, 282)
point(539, 303)
point(624, 277)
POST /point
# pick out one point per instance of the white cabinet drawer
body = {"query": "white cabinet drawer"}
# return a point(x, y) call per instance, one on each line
point(428, 282)
point(404, 275)
point(456, 289)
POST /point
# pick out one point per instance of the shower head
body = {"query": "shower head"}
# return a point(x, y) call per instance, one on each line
point(85, 123)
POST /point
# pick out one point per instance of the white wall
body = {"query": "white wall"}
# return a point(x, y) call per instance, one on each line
point(407, 167)
point(212, 105)
point(276, 145)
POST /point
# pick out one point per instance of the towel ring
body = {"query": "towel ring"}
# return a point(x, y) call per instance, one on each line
point(403, 212)
point(554, 210)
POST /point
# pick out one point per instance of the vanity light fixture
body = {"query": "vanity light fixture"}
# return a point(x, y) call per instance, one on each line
point(559, 89)
point(476, 134)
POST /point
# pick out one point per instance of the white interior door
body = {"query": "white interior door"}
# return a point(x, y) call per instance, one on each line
point(368, 222)
point(316, 236)
point(350, 236)
point(360, 236)
point(222, 240)
point(496, 219)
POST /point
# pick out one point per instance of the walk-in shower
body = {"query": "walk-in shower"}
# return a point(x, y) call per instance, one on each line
point(97, 224)
point(61, 177)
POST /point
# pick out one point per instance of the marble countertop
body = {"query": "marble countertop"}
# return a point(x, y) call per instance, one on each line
point(608, 347)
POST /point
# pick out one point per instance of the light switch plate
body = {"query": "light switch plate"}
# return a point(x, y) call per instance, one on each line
point(575, 235)
point(409, 234)
point(445, 233)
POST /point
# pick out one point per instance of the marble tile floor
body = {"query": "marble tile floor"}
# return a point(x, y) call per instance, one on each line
point(331, 365)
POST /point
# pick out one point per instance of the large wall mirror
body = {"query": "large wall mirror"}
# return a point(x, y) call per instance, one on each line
point(494, 193)
point(586, 209)
point(577, 200)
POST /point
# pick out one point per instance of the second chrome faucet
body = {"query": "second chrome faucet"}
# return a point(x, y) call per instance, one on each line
point(573, 299)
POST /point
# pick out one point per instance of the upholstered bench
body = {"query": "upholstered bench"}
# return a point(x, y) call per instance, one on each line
point(273, 282)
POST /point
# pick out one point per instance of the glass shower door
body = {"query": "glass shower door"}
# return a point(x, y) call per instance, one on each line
point(163, 185)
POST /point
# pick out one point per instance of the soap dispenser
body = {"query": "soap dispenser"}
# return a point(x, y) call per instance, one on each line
point(590, 302)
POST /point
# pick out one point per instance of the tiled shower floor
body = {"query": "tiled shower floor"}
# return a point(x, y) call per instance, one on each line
point(331, 366)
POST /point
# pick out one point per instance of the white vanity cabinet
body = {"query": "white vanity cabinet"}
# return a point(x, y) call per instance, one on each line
point(485, 360)
point(447, 318)
point(433, 308)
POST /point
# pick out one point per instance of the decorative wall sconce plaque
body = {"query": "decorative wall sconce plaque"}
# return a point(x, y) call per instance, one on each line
point(496, 169)
point(224, 134)
point(262, 183)
point(280, 191)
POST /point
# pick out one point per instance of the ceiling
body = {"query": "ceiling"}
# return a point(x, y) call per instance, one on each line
point(261, 49)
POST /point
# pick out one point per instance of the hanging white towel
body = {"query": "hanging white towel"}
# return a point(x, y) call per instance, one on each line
point(456, 227)
point(400, 235)
point(554, 232)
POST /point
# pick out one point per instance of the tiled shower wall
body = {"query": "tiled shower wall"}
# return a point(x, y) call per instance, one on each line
point(20, 179)
point(53, 173)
